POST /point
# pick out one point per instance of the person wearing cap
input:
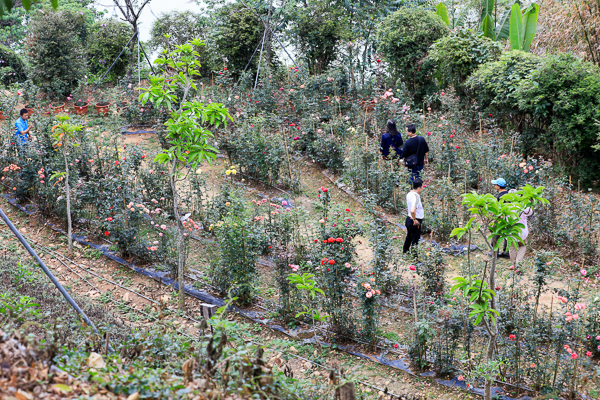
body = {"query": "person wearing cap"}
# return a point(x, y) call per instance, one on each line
point(517, 255)
point(500, 185)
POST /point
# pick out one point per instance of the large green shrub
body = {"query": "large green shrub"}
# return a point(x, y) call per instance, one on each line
point(238, 33)
point(12, 68)
point(562, 96)
point(107, 39)
point(179, 27)
point(404, 39)
point(554, 102)
point(55, 50)
point(317, 30)
point(494, 84)
point(456, 56)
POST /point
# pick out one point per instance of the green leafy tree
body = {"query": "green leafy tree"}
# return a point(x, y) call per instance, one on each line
point(404, 39)
point(187, 128)
point(107, 38)
point(495, 221)
point(317, 29)
point(62, 136)
point(238, 33)
point(179, 27)
point(456, 56)
point(55, 51)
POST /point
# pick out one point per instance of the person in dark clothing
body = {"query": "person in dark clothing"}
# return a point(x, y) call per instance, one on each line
point(500, 185)
point(414, 217)
point(415, 152)
point(391, 139)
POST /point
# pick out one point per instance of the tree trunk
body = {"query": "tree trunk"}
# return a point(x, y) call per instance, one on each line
point(180, 238)
point(68, 194)
point(132, 53)
point(487, 395)
point(268, 39)
point(492, 279)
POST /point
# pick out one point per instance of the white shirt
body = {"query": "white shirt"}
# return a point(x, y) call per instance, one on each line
point(414, 200)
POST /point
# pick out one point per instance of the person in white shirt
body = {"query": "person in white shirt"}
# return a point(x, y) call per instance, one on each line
point(415, 215)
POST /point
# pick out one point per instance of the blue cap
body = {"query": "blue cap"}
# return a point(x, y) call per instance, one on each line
point(500, 182)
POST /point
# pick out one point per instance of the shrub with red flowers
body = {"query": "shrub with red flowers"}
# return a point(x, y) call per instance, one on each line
point(333, 255)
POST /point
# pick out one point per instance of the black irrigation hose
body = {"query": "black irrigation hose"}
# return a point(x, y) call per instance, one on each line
point(314, 327)
point(358, 341)
point(62, 290)
point(326, 368)
point(50, 251)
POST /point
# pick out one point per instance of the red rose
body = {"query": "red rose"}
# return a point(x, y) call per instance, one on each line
point(331, 262)
point(347, 209)
point(106, 233)
point(331, 240)
point(339, 240)
point(316, 240)
point(324, 241)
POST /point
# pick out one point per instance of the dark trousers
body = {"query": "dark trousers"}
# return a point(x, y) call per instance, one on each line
point(413, 233)
point(415, 172)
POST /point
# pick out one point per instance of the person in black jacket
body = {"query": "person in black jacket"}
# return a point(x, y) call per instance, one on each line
point(415, 152)
point(391, 140)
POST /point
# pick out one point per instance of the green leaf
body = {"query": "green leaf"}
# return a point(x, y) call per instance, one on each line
point(441, 10)
point(62, 387)
point(54, 4)
point(516, 28)
point(26, 4)
point(529, 24)
point(503, 28)
point(488, 28)
point(487, 9)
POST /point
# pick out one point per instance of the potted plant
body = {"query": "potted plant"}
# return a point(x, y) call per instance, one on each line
point(122, 105)
point(102, 107)
point(80, 107)
point(57, 107)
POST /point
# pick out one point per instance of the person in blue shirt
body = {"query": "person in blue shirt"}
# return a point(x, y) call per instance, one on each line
point(391, 141)
point(22, 128)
